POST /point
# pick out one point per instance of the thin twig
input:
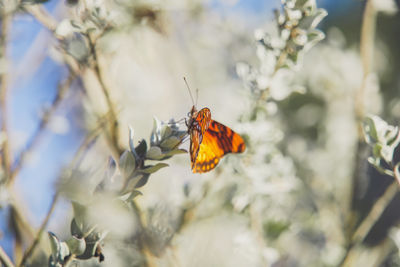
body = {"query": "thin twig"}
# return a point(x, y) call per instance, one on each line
point(366, 51)
point(365, 227)
point(114, 120)
point(31, 249)
point(6, 158)
point(37, 136)
point(5, 259)
point(375, 213)
point(366, 47)
point(41, 14)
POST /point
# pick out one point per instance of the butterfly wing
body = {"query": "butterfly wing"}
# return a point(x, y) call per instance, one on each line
point(217, 141)
point(197, 129)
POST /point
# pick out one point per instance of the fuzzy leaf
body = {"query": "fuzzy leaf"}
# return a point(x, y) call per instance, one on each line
point(90, 251)
point(54, 244)
point(156, 132)
point(166, 131)
point(79, 215)
point(75, 230)
point(76, 245)
point(142, 181)
point(175, 152)
point(127, 163)
point(153, 168)
point(170, 143)
point(63, 252)
point(370, 132)
point(154, 153)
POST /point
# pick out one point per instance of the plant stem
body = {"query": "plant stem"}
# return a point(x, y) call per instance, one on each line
point(31, 249)
point(5, 259)
point(114, 134)
point(37, 136)
point(6, 155)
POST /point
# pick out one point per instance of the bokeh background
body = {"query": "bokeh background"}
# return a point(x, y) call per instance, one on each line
point(294, 198)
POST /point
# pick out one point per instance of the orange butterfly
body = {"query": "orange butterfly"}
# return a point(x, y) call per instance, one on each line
point(210, 140)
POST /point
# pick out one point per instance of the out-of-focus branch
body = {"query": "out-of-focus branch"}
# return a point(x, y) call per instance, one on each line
point(375, 213)
point(6, 155)
point(369, 221)
point(5, 259)
point(32, 247)
point(113, 127)
point(41, 14)
point(367, 51)
point(366, 48)
point(37, 136)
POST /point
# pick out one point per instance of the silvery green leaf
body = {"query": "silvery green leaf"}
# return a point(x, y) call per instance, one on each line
point(76, 25)
point(127, 163)
point(318, 16)
point(393, 137)
point(156, 132)
point(77, 47)
point(130, 186)
point(397, 172)
point(166, 131)
point(376, 151)
point(75, 230)
point(64, 28)
point(63, 252)
point(154, 153)
point(76, 245)
point(79, 215)
point(300, 38)
point(170, 143)
point(313, 36)
point(376, 163)
point(370, 133)
point(293, 14)
point(387, 153)
point(153, 168)
point(175, 152)
point(131, 143)
point(90, 251)
point(54, 244)
point(312, 21)
point(142, 181)
point(308, 7)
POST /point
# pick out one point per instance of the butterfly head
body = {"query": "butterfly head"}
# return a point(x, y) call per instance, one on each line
point(191, 117)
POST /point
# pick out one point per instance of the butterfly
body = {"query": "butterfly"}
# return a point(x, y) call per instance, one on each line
point(210, 140)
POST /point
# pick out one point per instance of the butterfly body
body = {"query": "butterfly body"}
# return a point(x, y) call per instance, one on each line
point(210, 140)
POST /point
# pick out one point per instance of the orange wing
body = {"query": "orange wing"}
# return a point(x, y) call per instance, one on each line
point(198, 125)
point(217, 141)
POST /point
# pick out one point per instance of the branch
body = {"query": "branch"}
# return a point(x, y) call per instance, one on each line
point(366, 51)
point(366, 47)
point(375, 213)
point(114, 120)
point(365, 227)
point(37, 136)
point(31, 249)
point(6, 157)
point(41, 14)
point(5, 259)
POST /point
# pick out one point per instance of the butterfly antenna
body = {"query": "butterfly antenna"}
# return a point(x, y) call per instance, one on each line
point(190, 92)
point(197, 95)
